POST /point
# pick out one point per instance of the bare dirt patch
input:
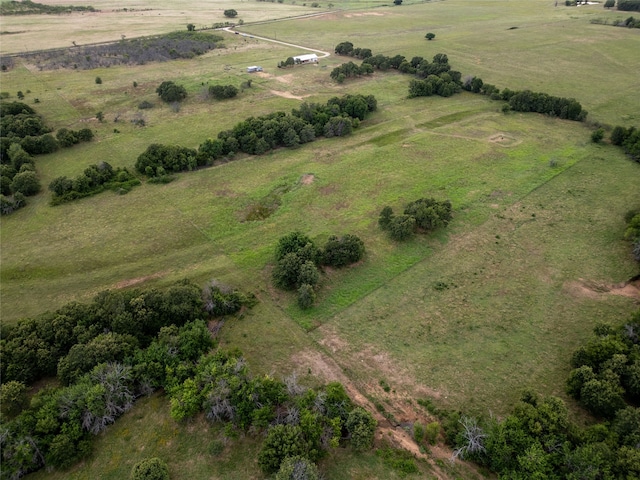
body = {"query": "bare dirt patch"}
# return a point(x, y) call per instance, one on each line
point(504, 140)
point(595, 290)
point(325, 367)
point(307, 179)
point(137, 281)
point(287, 79)
point(286, 95)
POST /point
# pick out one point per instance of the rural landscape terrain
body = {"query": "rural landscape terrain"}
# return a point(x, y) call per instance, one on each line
point(437, 333)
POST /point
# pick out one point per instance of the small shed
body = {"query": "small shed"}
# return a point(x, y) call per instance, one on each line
point(308, 58)
point(254, 68)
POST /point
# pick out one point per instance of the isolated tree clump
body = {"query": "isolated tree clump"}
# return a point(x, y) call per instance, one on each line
point(230, 13)
point(430, 36)
point(221, 92)
point(424, 215)
point(150, 469)
point(169, 92)
point(341, 251)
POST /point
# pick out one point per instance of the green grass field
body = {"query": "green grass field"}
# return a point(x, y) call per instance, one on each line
point(468, 316)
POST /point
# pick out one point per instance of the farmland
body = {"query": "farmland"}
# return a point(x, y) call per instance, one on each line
point(466, 317)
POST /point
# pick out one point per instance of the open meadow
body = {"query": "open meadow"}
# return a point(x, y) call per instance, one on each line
point(466, 317)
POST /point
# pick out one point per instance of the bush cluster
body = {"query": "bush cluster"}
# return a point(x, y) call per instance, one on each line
point(629, 5)
point(33, 348)
point(298, 259)
point(222, 92)
point(170, 92)
point(94, 179)
point(628, 139)
point(422, 215)
point(135, 51)
point(299, 423)
point(56, 430)
point(258, 135)
point(606, 370)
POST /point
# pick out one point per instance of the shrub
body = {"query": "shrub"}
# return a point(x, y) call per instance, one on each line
point(418, 432)
point(13, 398)
point(429, 213)
point(169, 92)
point(297, 468)
point(150, 469)
point(430, 36)
point(432, 431)
point(282, 441)
point(597, 135)
point(293, 243)
point(306, 296)
point(26, 183)
point(230, 13)
point(402, 227)
point(362, 427)
point(98, 81)
point(386, 216)
point(341, 251)
point(145, 104)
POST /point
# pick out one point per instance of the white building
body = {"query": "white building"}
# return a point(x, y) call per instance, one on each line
point(309, 58)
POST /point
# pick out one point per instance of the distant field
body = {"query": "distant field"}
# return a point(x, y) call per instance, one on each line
point(467, 317)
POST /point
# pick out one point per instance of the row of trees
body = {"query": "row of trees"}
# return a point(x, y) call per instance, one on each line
point(94, 179)
point(628, 139)
point(301, 424)
point(537, 440)
point(56, 428)
point(135, 51)
point(24, 134)
point(422, 215)
point(32, 348)
point(437, 78)
point(258, 135)
point(298, 260)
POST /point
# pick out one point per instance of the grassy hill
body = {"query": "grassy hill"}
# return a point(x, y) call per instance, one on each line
point(466, 317)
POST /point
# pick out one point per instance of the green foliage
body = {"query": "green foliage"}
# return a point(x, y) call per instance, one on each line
point(429, 213)
point(82, 358)
point(402, 227)
point(150, 469)
point(400, 460)
point(297, 468)
point(528, 101)
point(430, 36)
point(230, 13)
point(220, 300)
point(306, 296)
point(13, 398)
point(98, 81)
point(597, 135)
point(362, 427)
point(609, 3)
point(221, 92)
point(95, 179)
point(385, 218)
point(431, 433)
point(282, 441)
point(158, 159)
point(28, 7)
point(26, 183)
point(629, 5)
point(169, 92)
point(418, 432)
point(342, 251)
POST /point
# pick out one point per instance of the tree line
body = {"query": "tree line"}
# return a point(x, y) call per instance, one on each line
point(538, 439)
point(25, 134)
point(95, 179)
point(127, 344)
point(135, 51)
point(438, 78)
point(258, 135)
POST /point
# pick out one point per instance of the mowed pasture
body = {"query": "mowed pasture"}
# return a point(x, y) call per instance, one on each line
point(468, 316)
